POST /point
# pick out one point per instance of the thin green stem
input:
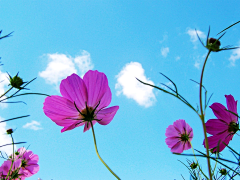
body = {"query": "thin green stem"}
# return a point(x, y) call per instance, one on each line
point(6, 92)
point(198, 163)
point(12, 159)
point(95, 143)
point(202, 117)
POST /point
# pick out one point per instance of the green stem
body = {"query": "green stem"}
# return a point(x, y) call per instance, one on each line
point(6, 92)
point(197, 163)
point(202, 117)
point(95, 143)
point(12, 159)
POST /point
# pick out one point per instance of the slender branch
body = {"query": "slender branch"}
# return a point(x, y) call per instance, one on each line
point(202, 116)
point(6, 92)
point(95, 143)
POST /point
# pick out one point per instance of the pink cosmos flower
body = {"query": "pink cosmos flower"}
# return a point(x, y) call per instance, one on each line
point(179, 136)
point(224, 127)
point(83, 102)
point(29, 165)
point(5, 168)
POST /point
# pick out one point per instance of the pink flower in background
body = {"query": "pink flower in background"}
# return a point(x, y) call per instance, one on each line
point(29, 165)
point(224, 127)
point(179, 136)
point(4, 169)
point(83, 102)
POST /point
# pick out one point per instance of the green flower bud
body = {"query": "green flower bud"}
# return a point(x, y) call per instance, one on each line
point(213, 44)
point(193, 165)
point(16, 82)
point(223, 172)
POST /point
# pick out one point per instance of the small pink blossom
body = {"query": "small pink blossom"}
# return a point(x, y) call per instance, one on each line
point(224, 127)
point(6, 166)
point(179, 136)
point(29, 165)
point(83, 102)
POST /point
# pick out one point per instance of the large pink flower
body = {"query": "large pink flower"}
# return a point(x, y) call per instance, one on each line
point(83, 102)
point(224, 127)
point(179, 136)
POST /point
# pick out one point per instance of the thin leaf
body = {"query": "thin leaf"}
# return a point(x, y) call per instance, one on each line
point(14, 118)
point(228, 27)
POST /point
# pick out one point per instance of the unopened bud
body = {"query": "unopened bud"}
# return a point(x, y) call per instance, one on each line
point(213, 44)
point(9, 131)
point(16, 82)
point(223, 172)
point(193, 165)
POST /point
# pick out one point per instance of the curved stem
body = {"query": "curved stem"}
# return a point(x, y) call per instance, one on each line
point(202, 116)
point(95, 143)
point(6, 92)
point(12, 159)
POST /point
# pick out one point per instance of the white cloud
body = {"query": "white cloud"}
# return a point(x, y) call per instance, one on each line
point(178, 58)
point(34, 125)
point(193, 36)
point(197, 64)
point(3, 86)
point(165, 37)
point(60, 66)
point(5, 139)
point(234, 56)
point(128, 85)
point(164, 51)
point(83, 62)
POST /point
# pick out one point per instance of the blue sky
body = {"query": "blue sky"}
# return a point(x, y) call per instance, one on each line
point(123, 39)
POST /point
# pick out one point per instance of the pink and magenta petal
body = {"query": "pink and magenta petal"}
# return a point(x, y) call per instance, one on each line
point(73, 88)
point(88, 125)
point(232, 106)
point(105, 116)
point(172, 132)
point(220, 112)
point(97, 85)
point(216, 126)
point(171, 141)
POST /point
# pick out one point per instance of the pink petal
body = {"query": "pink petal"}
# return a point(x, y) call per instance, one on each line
point(178, 148)
point(72, 126)
point(180, 125)
point(172, 132)
point(106, 115)
point(214, 140)
point(171, 141)
point(97, 86)
point(88, 125)
point(74, 89)
point(232, 106)
point(216, 126)
point(220, 112)
point(187, 145)
point(33, 169)
point(60, 110)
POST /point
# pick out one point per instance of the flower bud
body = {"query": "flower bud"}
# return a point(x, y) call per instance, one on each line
point(16, 82)
point(213, 44)
point(193, 165)
point(9, 131)
point(223, 172)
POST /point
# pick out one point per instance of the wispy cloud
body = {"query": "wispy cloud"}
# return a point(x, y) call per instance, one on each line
point(234, 56)
point(128, 85)
point(34, 125)
point(165, 37)
point(164, 51)
point(193, 36)
point(5, 139)
point(3, 86)
point(60, 66)
point(178, 58)
point(169, 84)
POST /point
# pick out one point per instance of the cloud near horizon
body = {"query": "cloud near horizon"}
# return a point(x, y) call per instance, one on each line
point(60, 66)
point(128, 85)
